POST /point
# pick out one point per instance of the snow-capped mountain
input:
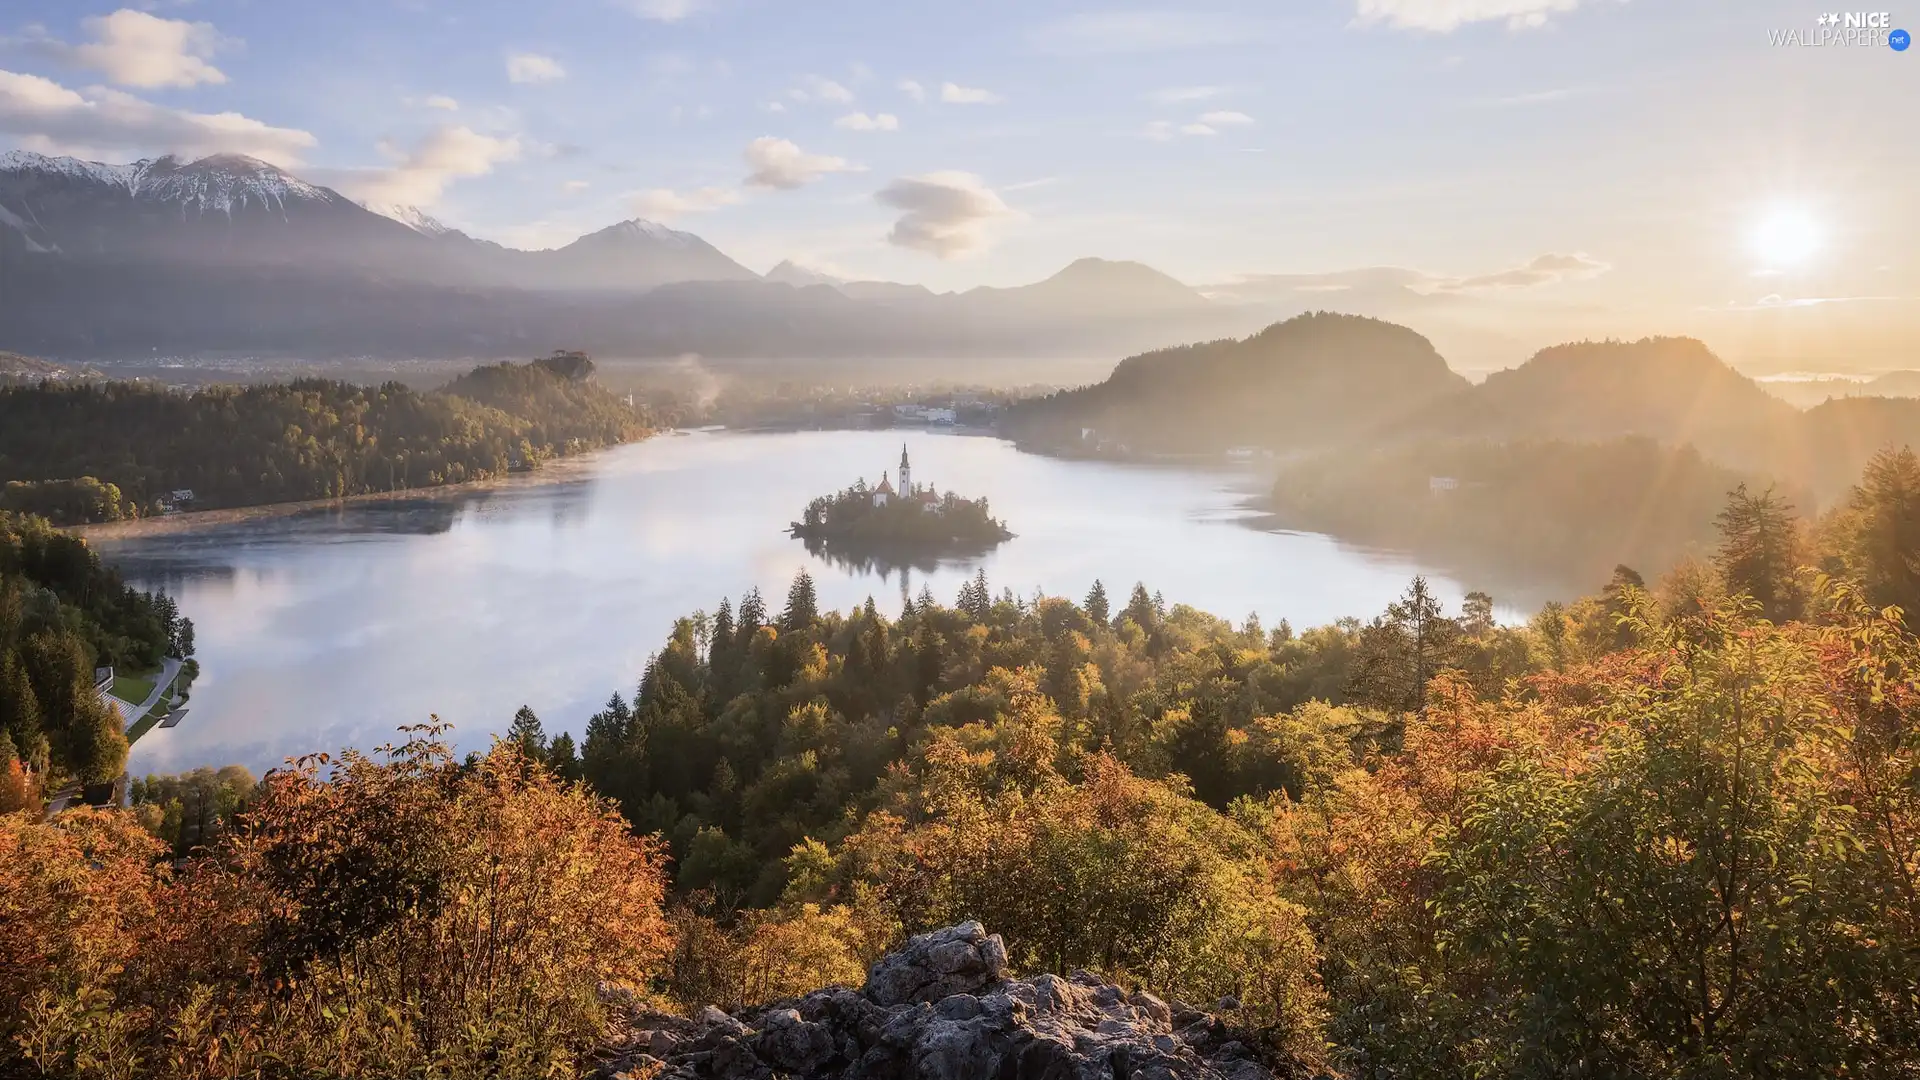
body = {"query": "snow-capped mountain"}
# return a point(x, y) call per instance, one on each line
point(412, 217)
point(234, 210)
point(792, 273)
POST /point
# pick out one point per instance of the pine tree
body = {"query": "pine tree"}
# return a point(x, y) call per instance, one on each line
point(752, 615)
point(526, 734)
point(1096, 602)
point(1759, 552)
point(1140, 608)
point(1883, 518)
point(802, 605)
point(562, 759)
point(721, 639)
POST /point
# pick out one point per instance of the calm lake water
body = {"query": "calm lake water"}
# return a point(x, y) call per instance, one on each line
point(330, 628)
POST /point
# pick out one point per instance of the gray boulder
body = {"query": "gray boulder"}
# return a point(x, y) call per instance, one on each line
point(941, 1008)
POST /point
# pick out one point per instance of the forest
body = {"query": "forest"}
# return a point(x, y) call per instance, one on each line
point(1547, 509)
point(1669, 830)
point(69, 449)
point(62, 614)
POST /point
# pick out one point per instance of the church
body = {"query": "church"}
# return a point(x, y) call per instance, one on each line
point(885, 493)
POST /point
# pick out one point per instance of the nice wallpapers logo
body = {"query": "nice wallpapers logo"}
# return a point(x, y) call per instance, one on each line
point(1861, 29)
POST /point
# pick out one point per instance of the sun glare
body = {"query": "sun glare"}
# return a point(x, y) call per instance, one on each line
point(1786, 237)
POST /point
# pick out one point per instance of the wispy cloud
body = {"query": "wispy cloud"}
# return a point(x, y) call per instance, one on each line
point(419, 175)
point(955, 94)
point(778, 163)
point(1776, 302)
point(1542, 270)
point(1225, 118)
point(133, 48)
point(945, 214)
point(533, 68)
point(665, 204)
point(1444, 16)
point(860, 121)
point(442, 102)
point(818, 88)
point(912, 89)
point(48, 116)
point(1180, 95)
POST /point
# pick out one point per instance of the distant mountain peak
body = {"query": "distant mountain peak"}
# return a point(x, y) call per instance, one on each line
point(800, 277)
point(642, 229)
point(412, 217)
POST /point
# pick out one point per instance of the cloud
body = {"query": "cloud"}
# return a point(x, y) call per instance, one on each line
point(955, 94)
point(418, 177)
point(1776, 302)
point(1197, 129)
point(1138, 32)
point(1444, 16)
point(133, 48)
point(945, 214)
point(663, 10)
point(1543, 270)
point(860, 121)
point(774, 106)
point(664, 204)
point(912, 89)
point(778, 163)
point(816, 88)
point(533, 68)
point(1177, 95)
point(574, 187)
point(1225, 119)
point(105, 121)
point(1405, 286)
point(442, 101)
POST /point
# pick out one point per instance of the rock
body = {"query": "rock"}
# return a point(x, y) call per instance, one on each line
point(958, 960)
point(940, 1008)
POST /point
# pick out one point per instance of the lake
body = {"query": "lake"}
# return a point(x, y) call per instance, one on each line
point(329, 628)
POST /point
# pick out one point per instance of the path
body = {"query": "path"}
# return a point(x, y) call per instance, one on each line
point(162, 684)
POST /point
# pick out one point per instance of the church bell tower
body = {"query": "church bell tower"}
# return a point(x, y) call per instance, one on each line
point(906, 473)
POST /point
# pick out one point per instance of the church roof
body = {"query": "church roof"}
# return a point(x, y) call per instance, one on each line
point(885, 484)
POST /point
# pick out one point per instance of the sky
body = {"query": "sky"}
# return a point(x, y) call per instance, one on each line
point(1510, 173)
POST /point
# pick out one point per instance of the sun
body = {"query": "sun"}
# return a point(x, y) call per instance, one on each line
point(1786, 237)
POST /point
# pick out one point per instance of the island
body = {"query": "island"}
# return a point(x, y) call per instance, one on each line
point(904, 525)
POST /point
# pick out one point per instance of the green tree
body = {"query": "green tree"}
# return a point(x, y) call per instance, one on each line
point(562, 758)
point(526, 734)
point(1096, 602)
point(1879, 541)
point(1402, 650)
point(1760, 551)
point(802, 604)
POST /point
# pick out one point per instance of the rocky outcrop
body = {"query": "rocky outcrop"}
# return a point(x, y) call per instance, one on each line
point(942, 1008)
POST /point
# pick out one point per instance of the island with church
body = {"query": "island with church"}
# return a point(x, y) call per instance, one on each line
point(900, 523)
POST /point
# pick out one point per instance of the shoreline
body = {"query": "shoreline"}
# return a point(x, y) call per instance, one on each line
point(190, 520)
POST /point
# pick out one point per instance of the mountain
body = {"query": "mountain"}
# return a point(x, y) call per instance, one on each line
point(229, 253)
point(1302, 382)
point(791, 273)
point(1673, 390)
point(632, 256)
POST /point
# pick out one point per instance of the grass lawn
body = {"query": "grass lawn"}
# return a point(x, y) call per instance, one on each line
point(145, 724)
point(134, 688)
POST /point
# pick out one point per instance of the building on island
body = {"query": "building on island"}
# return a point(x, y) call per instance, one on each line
point(885, 493)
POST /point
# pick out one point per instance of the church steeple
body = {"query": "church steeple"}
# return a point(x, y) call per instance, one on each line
point(906, 473)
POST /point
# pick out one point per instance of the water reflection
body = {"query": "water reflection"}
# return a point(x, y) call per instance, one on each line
point(323, 629)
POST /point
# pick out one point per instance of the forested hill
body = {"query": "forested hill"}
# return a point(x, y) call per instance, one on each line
point(99, 451)
point(1672, 389)
point(1304, 381)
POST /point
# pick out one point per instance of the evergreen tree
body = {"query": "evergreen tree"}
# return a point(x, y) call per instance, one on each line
point(1882, 525)
point(1617, 597)
point(1760, 550)
point(753, 615)
point(1402, 650)
point(562, 759)
point(720, 641)
point(1096, 602)
point(526, 734)
point(802, 604)
point(1140, 608)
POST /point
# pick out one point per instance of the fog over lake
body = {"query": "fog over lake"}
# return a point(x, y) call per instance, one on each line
point(330, 628)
